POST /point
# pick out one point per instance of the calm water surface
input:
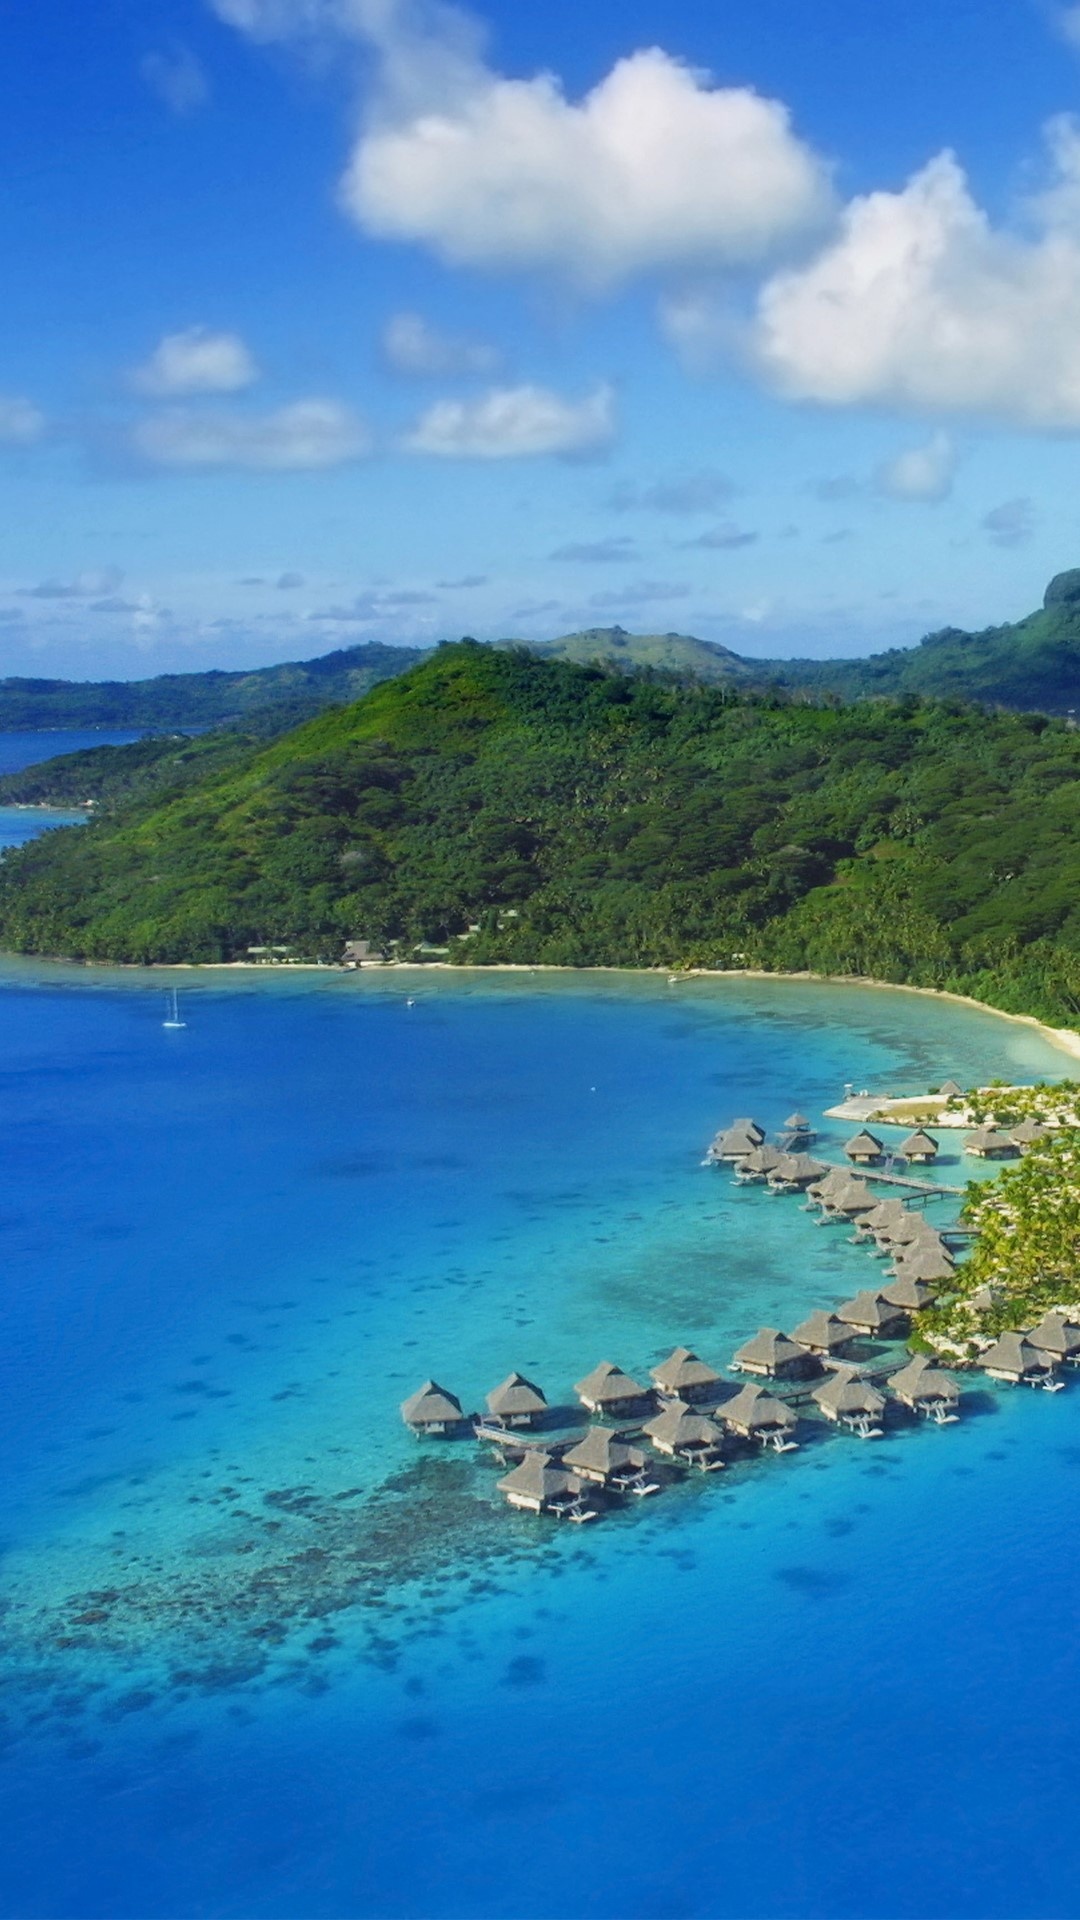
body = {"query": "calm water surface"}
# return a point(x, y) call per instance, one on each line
point(265, 1655)
point(18, 750)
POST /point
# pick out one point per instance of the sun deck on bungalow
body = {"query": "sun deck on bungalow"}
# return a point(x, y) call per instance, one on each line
point(432, 1410)
point(607, 1390)
point(851, 1402)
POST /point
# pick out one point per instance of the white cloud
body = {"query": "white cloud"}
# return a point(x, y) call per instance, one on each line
point(1069, 25)
point(920, 473)
point(514, 422)
point(21, 423)
point(299, 438)
point(411, 345)
point(1012, 524)
point(921, 303)
point(177, 79)
point(197, 361)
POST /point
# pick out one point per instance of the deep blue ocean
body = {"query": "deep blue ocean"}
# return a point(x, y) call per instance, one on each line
point(265, 1655)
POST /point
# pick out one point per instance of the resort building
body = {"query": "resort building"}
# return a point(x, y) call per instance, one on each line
point(855, 1200)
point(770, 1353)
point(919, 1148)
point(989, 1143)
point(794, 1170)
point(1056, 1337)
point(517, 1402)
point(1028, 1134)
point(759, 1163)
point(608, 1390)
point(733, 1142)
point(950, 1091)
point(823, 1333)
point(926, 1389)
point(908, 1293)
point(864, 1148)
point(870, 1313)
point(611, 1462)
point(985, 1299)
point(432, 1410)
point(755, 1414)
point(1014, 1359)
point(798, 1126)
point(851, 1402)
point(683, 1376)
point(539, 1485)
point(687, 1435)
point(919, 1262)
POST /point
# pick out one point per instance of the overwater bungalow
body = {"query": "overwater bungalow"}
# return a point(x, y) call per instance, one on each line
point(759, 1163)
point(864, 1148)
point(756, 1414)
point(852, 1201)
point(1028, 1134)
point(908, 1293)
point(871, 1314)
point(820, 1192)
point(608, 1390)
point(538, 1484)
point(799, 1127)
point(517, 1402)
point(611, 1462)
point(431, 1410)
point(687, 1434)
point(823, 1333)
point(1014, 1359)
point(989, 1143)
point(919, 1262)
point(926, 1389)
point(885, 1216)
point(919, 1148)
point(906, 1227)
point(771, 1354)
point(795, 1170)
point(1057, 1337)
point(851, 1402)
point(740, 1138)
point(683, 1376)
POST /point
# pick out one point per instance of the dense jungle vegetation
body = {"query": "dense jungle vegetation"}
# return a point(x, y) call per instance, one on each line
point(522, 810)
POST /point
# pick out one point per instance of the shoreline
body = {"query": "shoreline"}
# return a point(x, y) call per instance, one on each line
point(1065, 1039)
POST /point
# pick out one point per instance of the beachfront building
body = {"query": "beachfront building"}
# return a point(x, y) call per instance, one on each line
point(950, 1091)
point(431, 1410)
point(919, 1262)
point(908, 1293)
point(682, 1376)
point(864, 1148)
point(755, 1414)
point(1028, 1134)
point(771, 1354)
point(685, 1433)
point(851, 1402)
point(601, 1456)
point(919, 1148)
point(989, 1143)
point(986, 1298)
point(538, 1484)
point(926, 1389)
point(517, 1402)
point(1014, 1359)
point(1057, 1337)
point(871, 1314)
point(823, 1333)
point(609, 1391)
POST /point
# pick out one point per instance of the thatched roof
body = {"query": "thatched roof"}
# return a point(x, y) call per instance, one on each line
point(886, 1214)
point(760, 1160)
point(755, 1410)
point(845, 1393)
point(431, 1406)
point(734, 1142)
point(854, 1198)
point(602, 1451)
point(987, 1140)
point(540, 1477)
point(1026, 1134)
point(749, 1126)
point(796, 1123)
point(823, 1331)
point(607, 1382)
point(868, 1309)
point(1056, 1335)
point(909, 1293)
point(1013, 1353)
point(801, 1168)
point(950, 1089)
point(682, 1368)
point(683, 1426)
point(769, 1348)
point(516, 1395)
point(918, 1143)
point(836, 1177)
point(863, 1142)
point(985, 1299)
point(924, 1263)
point(921, 1380)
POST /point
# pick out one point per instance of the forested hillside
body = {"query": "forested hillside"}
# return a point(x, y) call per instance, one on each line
point(522, 810)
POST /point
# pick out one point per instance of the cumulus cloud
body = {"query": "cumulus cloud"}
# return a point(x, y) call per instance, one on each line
point(196, 361)
point(21, 423)
point(920, 302)
point(597, 552)
point(920, 473)
point(516, 422)
point(723, 539)
point(302, 437)
point(687, 493)
point(177, 79)
point(412, 346)
point(1012, 524)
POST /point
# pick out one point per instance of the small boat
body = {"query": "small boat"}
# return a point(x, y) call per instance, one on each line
point(172, 1018)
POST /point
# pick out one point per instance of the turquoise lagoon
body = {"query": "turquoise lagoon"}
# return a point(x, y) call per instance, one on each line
point(265, 1655)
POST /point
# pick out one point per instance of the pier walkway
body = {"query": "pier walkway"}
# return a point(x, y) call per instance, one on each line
point(931, 1188)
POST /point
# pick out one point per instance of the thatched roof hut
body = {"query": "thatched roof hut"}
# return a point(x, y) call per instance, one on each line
point(950, 1090)
point(517, 1402)
point(1056, 1336)
point(986, 1298)
point(864, 1147)
point(682, 1374)
point(538, 1484)
point(796, 1170)
point(1028, 1134)
point(925, 1387)
point(431, 1409)
point(759, 1163)
point(837, 1177)
point(854, 1199)
point(756, 1414)
point(685, 1433)
point(850, 1401)
point(796, 1123)
point(925, 1263)
point(1013, 1358)
point(770, 1353)
point(870, 1313)
point(885, 1215)
point(608, 1390)
point(823, 1333)
point(919, 1147)
point(909, 1293)
point(989, 1143)
point(602, 1456)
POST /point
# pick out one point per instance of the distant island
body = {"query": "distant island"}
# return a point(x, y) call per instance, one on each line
point(490, 806)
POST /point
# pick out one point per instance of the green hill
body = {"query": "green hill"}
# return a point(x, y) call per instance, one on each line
point(525, 810)
point(677, 653)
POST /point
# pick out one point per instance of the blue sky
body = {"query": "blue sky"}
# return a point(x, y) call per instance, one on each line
point(335, 320)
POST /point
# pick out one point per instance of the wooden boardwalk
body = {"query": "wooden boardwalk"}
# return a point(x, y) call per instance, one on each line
point(931, 1188)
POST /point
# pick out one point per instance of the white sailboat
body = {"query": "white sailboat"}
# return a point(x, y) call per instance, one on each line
point(172, 1011)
